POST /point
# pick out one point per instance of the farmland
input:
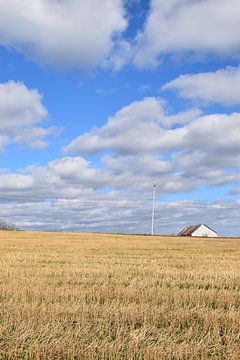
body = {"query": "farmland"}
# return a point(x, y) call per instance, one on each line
point(97, 296)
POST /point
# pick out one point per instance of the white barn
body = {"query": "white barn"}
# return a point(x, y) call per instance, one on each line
point(200, 230)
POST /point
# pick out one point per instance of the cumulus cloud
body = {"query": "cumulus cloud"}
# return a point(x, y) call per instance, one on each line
point(21, 112)
point(19, 106)
point(222, 86)
point(67, 194)
point(179, 26)
point(15, 182)
point(180, 151)
point(138, 127)
point(142, 144)
point(122, 55)
point(146, 127)
point(62, 33)
point(118, 214)
point(34, 137)
point(67, 177)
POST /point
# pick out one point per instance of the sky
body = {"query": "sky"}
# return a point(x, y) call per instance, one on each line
point(102, 99)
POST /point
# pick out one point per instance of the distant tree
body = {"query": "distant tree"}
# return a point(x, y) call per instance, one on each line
point(4, 225)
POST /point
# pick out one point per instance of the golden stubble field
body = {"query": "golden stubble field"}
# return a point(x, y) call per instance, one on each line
point(93, 296)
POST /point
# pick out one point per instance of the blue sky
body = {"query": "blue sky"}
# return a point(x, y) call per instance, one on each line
point(100, 100)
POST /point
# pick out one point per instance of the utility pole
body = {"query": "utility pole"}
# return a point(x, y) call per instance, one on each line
point(153, 207)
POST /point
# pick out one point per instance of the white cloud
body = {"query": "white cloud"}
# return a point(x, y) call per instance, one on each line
point(145, 127)
point(222, 86)
point(138, 127)
point(63, 33)
point(15, 182)
point(181, 151)
point(178, 26)
point(67, 177)
point(19, 107)
point(33, 137)
point(66, 194)
point(21, 112)
point(121, 55)
point(119, 214)
point(142, 145)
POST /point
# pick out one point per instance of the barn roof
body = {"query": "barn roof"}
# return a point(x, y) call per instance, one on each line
point(189, 230)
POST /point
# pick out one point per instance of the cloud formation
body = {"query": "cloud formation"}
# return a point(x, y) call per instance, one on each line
point(144, 143)
point(180, 151)
point(62, 33)
point(145, 127)
point(21, 113)
point(121, 215)
point(222, 86)
point(180, 26)
point(64, 195)
point(141, 127)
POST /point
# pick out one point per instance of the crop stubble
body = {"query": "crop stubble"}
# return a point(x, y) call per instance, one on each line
point(103, 296)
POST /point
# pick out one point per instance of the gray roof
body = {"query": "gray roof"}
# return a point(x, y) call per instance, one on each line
point(189, 230)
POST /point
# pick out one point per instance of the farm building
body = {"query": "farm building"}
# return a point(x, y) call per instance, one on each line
point(201, 230)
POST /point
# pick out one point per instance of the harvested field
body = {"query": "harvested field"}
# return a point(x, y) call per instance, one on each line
point(96, 296)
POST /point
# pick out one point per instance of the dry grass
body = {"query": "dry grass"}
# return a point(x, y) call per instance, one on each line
point(89, 296)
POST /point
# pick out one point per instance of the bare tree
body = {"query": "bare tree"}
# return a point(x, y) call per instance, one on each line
point(4, 225)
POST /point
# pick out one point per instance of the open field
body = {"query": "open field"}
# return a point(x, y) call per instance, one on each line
point(90, 296)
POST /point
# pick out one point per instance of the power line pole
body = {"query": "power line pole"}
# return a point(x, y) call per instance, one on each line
point(153, 207)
